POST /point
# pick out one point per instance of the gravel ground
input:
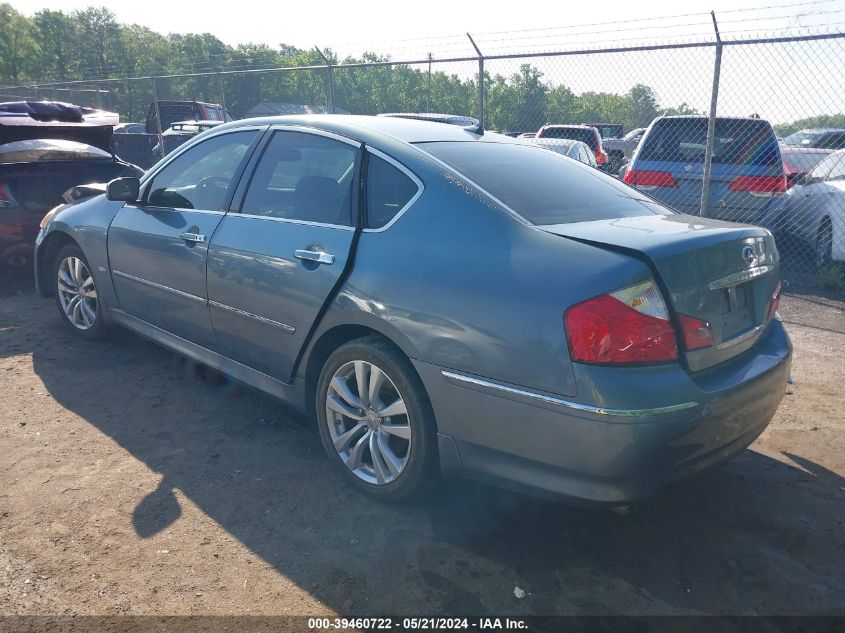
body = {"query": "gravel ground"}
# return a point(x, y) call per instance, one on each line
point(131, 484)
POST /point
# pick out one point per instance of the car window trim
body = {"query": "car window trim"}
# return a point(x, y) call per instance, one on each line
point(405, 170)
point(233, 185)
point(237, 209)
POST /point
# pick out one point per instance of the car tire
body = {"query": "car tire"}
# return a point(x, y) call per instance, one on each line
point(383, 437)
point(76, 294)
point(824, 244)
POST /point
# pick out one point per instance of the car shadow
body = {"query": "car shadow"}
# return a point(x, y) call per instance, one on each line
point(763, 534)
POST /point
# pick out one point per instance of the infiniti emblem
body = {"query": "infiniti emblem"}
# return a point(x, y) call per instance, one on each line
point(749, 255)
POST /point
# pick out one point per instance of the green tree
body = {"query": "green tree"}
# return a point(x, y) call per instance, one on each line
point(18, 47)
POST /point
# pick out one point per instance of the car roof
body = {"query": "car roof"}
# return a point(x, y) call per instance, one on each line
point(401, 129)
point(822, 130)
point(575, 125)
point(697, 117)
point(803, 149)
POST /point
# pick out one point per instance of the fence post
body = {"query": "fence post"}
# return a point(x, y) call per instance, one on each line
point(222, 96)
point(480, 81)
point(158, 118)
point(711, 123)
point(428, 99)
point(330, 79)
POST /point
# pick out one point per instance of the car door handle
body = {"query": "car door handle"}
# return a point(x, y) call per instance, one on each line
point(192, 237)
point(314, 256)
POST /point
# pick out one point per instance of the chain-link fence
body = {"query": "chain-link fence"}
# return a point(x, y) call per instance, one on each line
point(741, 129)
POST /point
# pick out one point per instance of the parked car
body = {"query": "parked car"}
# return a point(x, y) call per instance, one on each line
point(747, 176)
point(800, 161)
point(573, 149)
point(823, 138)
point(620, 150)
point(142, 146)
point(583, 133)
point(175, 111)
point(440, 301)
point(608, 130)
point(179, 132)
point(38, 164)
point(813, 213)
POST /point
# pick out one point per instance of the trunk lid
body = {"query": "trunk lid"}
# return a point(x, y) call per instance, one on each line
point(723, 273)
point(96, 135)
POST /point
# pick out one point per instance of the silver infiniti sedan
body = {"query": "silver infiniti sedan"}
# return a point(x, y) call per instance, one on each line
point(440, 300)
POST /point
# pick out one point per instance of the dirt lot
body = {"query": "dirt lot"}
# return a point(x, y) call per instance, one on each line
point(130, 484)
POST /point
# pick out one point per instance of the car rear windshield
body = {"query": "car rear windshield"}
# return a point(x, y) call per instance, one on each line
point(736, 142)
point(608, 130)
point(543, 187)
point(807, 139)
point(575, 133)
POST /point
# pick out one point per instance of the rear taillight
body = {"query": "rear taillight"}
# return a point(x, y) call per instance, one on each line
point(6, 199)
point(774, 303)
point(646, 178)
point(628, 326)
point(696, 333)
point(764, 186)
point(601, 157)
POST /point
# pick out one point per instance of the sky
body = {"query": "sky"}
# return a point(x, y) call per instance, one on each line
point(352, 27)
point(772, 80)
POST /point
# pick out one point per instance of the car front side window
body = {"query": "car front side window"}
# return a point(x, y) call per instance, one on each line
point(200, 177)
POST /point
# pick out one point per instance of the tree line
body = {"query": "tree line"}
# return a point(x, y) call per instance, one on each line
point(91, 44)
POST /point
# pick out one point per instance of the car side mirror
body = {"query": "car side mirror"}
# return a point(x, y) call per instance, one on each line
point(125, 189)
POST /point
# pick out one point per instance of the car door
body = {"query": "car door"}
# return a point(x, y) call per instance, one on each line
point(276, 257)
point(158, 247)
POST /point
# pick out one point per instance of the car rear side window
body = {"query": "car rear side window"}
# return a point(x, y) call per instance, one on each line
point(837, 172)
point(543, 187)
point(389, 190)
point(736, 142)
point(305, 177)
point(821, 171)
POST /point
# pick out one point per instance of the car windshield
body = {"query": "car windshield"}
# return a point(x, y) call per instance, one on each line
point(736, 142)
point(542, 186)
point(803, 137)
point(45, 150)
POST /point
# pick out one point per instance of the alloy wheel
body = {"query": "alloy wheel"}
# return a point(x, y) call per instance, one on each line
point(77, 293)
point(368, 422)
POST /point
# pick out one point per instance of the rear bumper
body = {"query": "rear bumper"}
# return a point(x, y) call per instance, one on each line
point(609, 455)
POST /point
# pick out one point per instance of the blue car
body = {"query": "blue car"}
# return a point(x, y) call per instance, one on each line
point(747, 181)
point(440, 300)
